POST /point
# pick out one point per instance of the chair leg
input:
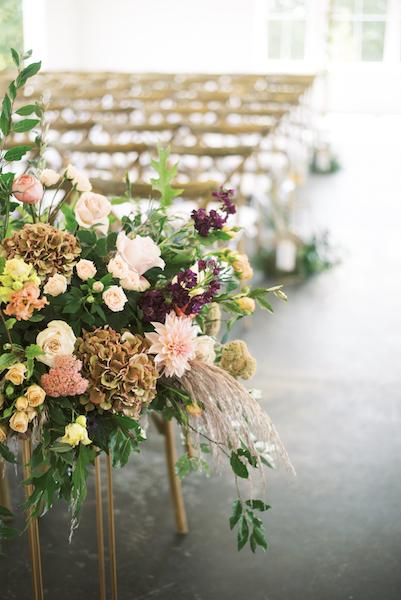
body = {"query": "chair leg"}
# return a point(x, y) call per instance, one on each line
point(5, 498)
point(175, 483)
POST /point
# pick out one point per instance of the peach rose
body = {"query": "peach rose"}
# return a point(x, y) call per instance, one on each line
point(114, 298)
point(78, 179)
point(85, 269)
point(35, 395)
point(19, 421)
point(26, 188)
point(140, 253)
point(56, 285)
point(16, 374)
point(21, 403)
point(48, 177)
point(92, 210)
point(3, 433)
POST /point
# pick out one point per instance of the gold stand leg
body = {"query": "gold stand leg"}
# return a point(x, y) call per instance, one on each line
point(175, 483)
point(5, 499)
point(112, 529)
point(100, 531)
point(33, 528)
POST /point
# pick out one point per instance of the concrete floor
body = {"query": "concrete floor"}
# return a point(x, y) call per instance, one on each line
point(329, 365)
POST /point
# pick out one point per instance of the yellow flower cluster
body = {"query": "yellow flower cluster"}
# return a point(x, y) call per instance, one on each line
point(15, 275)
point(76, 433)
point(239, 262)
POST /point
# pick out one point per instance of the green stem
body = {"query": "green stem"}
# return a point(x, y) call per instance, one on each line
point(8, 334)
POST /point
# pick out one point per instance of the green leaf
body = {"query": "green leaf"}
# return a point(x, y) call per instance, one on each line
point(238, 466)
point(259, 537)
point(33, 351)
point(7, 360)
point(243, 533)
point(10, 323)
point(16, 153)
point(15, 57)
point(26, 73)
point(87, 237)
point(4, 512)
point(25, 125)
point(183, 466)
point(258, 505)
point(29, 109)
point(7, 454)
point(69, 216)
point(236, 513)
point(166, 174)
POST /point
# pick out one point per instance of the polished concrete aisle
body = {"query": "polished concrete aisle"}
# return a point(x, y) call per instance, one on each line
point(329, 367)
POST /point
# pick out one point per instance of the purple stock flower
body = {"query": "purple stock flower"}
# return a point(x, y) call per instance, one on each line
point(226, 199)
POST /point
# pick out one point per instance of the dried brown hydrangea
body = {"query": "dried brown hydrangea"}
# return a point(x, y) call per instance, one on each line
point(237, 360)
point(122, 376)
point(46, 248)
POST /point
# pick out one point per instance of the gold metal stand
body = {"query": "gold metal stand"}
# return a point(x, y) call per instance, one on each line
point(175, 483)
point(33, 528)
point(100, 529)
point(5, 498)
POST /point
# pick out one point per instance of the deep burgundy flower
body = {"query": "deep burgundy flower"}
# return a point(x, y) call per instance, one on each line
point(203, 223)
point(154, 306)
point(187, 278)
point(226, 199)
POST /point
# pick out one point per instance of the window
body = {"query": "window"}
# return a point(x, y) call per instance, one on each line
point(11, 30)
point(357, 30)
point(286, 29)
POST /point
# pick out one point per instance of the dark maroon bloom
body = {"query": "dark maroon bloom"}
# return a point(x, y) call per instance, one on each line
point(214, 220)
point(154, 306)
point(187, 278)
point(226, 199)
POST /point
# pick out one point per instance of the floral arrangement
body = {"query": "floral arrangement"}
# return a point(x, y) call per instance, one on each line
point(106, 320)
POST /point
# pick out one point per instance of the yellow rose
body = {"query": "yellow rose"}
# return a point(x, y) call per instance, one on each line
point(3, 433)
point(247, 305)
point(21, 403)
point(35, 395)
point(16, 374)
point(76, 433)
point(19, 421)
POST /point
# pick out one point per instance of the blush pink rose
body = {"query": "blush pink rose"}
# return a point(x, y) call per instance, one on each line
point(86, 269)
point(140, 253)
point(26, 188)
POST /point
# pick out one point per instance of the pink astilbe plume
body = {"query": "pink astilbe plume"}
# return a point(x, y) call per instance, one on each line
point(64, 379)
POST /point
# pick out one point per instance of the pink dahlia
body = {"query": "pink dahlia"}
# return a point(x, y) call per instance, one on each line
point(64, 378)
point(174, 344)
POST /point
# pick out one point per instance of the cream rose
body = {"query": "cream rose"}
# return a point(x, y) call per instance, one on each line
point(79, 179)
point(118, 267)
point(35, 395)
point(134, 282)
point(19, 421)
point(85, 269)
point(55, 285)
point(3, 433)
point(114, 298)
point(32, 413)
point(92, 210)
point(98, 287)
point(205, 349)
point(57, 339)
point(16, 374)
point(21, 403)
point(48, 177)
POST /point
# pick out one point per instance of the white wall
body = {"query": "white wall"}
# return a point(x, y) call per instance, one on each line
point(193, 35)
